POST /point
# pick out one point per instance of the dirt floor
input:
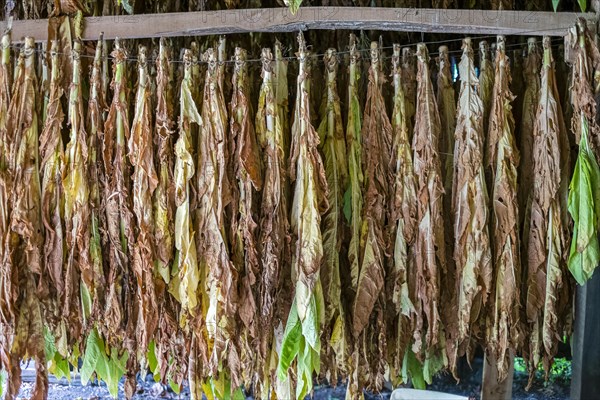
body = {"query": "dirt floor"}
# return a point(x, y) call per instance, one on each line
point(469, 385)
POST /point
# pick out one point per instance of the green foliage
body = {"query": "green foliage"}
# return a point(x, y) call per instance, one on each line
point(107, 367)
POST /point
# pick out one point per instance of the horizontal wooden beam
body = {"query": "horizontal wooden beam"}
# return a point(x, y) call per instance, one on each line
point(467, 22)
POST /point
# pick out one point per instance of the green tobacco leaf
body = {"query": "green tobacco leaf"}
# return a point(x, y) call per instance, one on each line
point(555, 4)
point(294, 5)
point(412, 368)
point(174, 386)
point(153, 361)
point(582, 5)
point(126, 6)
point(94, 353)
point(584, 206)
point(291, 342)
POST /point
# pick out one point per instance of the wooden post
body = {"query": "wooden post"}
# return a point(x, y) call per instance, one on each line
point(585, 381)
point(491, 389)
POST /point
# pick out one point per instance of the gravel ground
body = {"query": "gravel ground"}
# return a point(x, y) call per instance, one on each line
point(469, 385)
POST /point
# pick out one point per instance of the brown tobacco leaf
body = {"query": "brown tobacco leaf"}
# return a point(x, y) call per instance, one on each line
point(145, 182)
point(7, 311)
point(532, 66)
point(77, 212)
point(97, 180)
point(409, 76)
point(486, 81)
point(274, 237)
point(24, 242)
point(213, 195)
point(333, 147)
point(52, 158)
point(503, 326)
point(164, 200)
point(248, 171)
point(548, 239)
point(377, 149)
point(403, 222)
point(430, 260)
point(119, 314)
point(472, 252)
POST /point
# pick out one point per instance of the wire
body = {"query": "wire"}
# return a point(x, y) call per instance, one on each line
point(343, 52)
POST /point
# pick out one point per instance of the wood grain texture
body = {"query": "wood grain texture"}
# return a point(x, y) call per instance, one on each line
point(468, 22)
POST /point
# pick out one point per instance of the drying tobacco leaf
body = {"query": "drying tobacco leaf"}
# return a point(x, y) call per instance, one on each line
point(164, 202)
point(213, 195)
point(472, 252)
point(120, 318)
point(24, 242)
point(282, 95)
point(301, 340)
point(447, 106)
point(96, 178)
point(531, 76)
point(409, 77)
point(7, 312)
point(187, 276)
point(274, 235)
point(248, 170)
point(333, 147)
point(547, 235)
point(52, 158)
point(584, 190)
point(503, 326)
point(353, 205)
point(486, 81)
point(377, 148)
point(403, 221)
point(430, 253)
point(76, 211)
point(144, 182)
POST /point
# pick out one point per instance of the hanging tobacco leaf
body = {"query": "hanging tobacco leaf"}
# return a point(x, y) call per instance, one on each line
point(531, 76)
point(248, 170)
point(96, 179)
point(164, 201)
point(23, 244)
point(333, 147)
point(403, 216)
point(472, 252)
point(353, 206)
point(274, 232)
point(52, 159)
point(214, 193)
point(584, 190)
point(144, 181)
point(547, 236)
point(377, 148)
point(301, 340)
point(486, 81)
point(430, 261)
point(120, 317)
point(504, 333)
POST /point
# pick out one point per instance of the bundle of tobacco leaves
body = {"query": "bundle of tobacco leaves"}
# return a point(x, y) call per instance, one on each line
point(429, 248)
point(248, 172)
point(274, 237)
point(145, 181)
point(548, 229)
point(503, 327)
point(472, 252)
point(301, 342)
point(403, 221)
point(23, 285)
point(584, 190)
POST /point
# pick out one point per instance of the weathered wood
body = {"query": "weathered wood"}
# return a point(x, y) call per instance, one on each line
point(468, 22)
point(491, 389)
point(585, 381)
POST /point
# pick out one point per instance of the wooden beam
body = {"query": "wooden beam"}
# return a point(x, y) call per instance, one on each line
point(467, 22)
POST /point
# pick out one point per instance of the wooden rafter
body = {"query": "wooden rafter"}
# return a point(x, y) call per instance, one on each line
point(468, 22)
